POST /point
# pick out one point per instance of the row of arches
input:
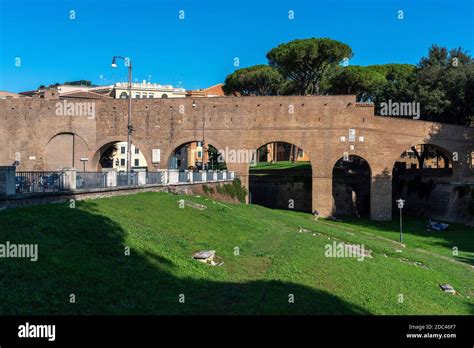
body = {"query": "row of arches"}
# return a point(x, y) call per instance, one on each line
point(280, 172)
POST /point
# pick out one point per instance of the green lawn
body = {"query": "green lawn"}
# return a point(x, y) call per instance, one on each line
point(81, 252)
point(282, 165)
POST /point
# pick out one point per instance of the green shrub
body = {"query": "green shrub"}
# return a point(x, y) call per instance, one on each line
point(233, 190)
point(207, 190)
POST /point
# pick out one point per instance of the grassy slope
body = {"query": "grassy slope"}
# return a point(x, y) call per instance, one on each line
point(281, 165)
point(81, 251)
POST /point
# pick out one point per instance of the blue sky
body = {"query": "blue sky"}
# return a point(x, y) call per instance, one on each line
point(199, 51)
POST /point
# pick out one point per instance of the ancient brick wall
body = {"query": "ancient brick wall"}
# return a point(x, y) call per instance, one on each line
point(28, 129)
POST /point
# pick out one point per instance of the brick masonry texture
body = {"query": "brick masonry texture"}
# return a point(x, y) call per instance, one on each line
point(30, 128)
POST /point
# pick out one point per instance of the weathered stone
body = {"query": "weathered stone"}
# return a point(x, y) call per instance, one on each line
point(204, 255)
point(447, 288)
point(192, 204)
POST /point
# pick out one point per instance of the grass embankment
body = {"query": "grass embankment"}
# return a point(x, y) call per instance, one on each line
point(82, 252)
point(281, 165)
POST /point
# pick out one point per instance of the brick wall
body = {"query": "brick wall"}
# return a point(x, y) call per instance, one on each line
point(315, 124)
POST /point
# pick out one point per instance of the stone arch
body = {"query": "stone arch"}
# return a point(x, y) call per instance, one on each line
point(422, 186)
point(282, 139)
point(95, 154)
point(168, 153)
point(64, 150)
point(400, 150)
point(287, 187)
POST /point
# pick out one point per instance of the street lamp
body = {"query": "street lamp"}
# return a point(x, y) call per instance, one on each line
point(84, 160)
point(203, 145)
point(400, 203)
point(129, 125)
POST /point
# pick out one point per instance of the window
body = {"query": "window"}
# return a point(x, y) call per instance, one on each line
point(137, 151)
point(300, 153)
point(144, 96)
point(137, 162)
point(199, 154)
point(164, 96)
point(199, 144)
point(137, 95)
point(122, 149)
point(122, 161)
point(123, 95)
point(151, 95)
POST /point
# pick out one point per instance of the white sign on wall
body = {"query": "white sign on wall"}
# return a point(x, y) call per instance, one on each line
point(156, 154)
point(352, 134)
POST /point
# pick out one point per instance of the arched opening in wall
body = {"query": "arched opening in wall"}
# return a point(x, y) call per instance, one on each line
point(195, 156)
point(64, 150)
point(280, 177)
point(351, 179)
point(114, 155)
point(422, 177)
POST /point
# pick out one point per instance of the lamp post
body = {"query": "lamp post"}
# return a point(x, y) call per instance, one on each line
point(400, 203)
point(129, 124)
point(203, 144)
point(84, 160)
point(203, 147)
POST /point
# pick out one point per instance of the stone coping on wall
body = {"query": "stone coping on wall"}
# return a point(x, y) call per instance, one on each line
point(41, 198)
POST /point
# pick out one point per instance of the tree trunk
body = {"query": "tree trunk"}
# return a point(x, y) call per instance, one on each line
point(421, 158)
point(292, 154)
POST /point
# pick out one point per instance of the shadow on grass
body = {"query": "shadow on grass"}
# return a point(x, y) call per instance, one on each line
point(82, 252)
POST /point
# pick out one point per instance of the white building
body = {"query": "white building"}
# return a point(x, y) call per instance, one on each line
point(146, 90)
point(143, 90)
point(120, 158)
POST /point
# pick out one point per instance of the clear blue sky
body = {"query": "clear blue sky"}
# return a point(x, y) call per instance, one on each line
point(199, 50)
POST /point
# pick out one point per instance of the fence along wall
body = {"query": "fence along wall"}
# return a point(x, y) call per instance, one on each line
point(12, 182)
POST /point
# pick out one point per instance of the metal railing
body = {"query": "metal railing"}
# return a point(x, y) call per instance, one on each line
point(90, 180)
point(122, 179)
point(30, 182)
point(183, 177)
point(154, 178)
point(197, 176)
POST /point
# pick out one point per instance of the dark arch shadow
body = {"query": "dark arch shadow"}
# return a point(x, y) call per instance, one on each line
point(418, 176)
point(351, 182)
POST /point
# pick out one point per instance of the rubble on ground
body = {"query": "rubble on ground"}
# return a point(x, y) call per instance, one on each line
point(447, 288)
point(209, 257)
point(192, 204)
